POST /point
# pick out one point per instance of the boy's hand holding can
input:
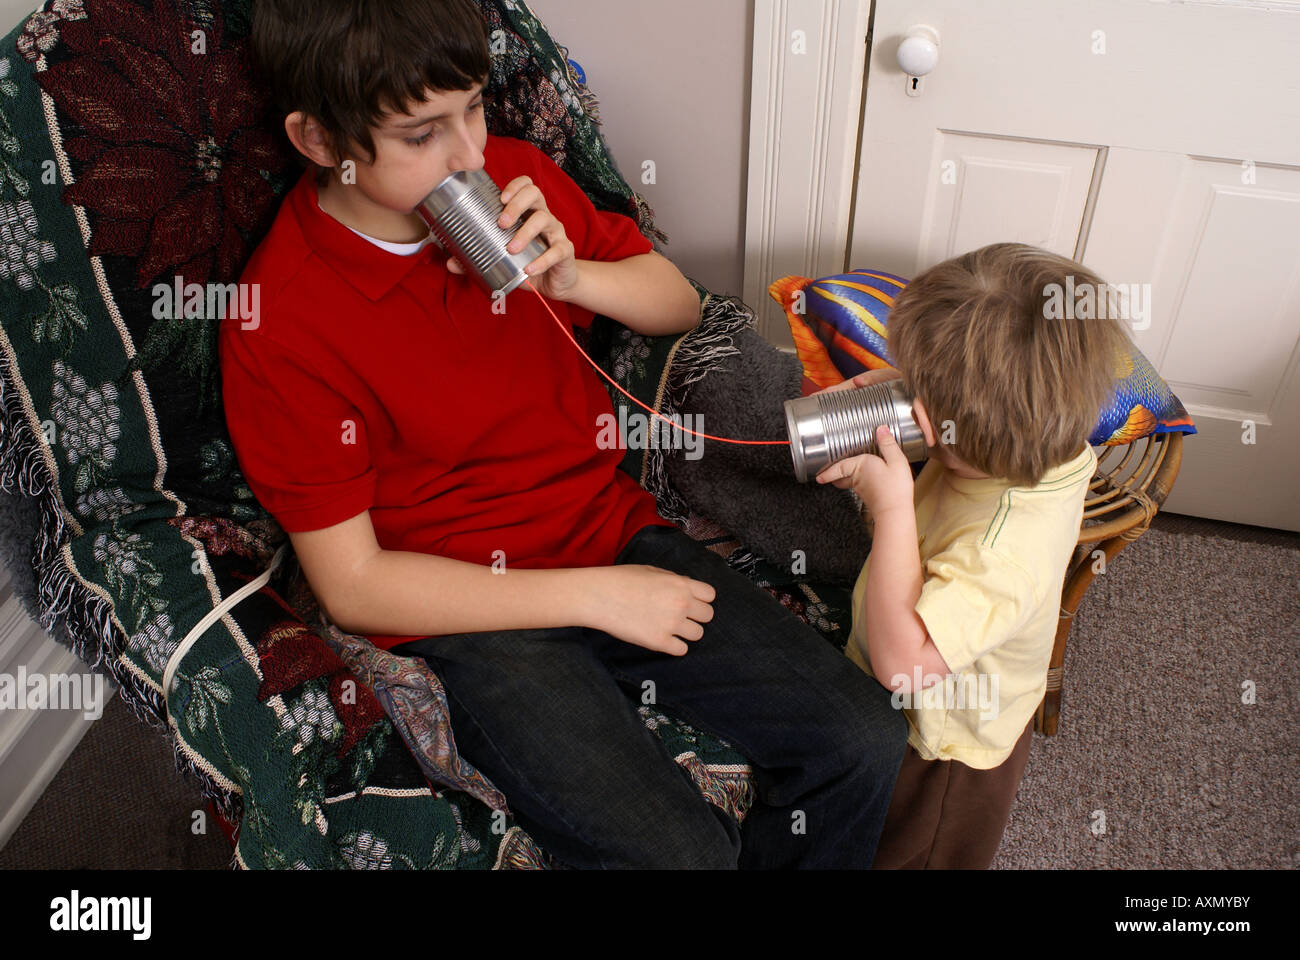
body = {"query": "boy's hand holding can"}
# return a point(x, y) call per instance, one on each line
point(554, 273)
point(883, 482)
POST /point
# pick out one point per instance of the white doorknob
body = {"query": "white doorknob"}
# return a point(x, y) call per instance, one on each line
point(919, 52)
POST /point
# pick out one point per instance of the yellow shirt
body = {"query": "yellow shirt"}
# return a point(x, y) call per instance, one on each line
point(993, 557)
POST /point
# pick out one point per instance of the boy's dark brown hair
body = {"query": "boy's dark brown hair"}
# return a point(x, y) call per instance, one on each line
point(349, 62)
point(976, 342)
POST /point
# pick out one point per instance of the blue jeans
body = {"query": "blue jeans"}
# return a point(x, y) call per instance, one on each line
point(544, 715)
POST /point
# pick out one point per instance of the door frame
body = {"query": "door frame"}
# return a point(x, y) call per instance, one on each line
point(802, 162)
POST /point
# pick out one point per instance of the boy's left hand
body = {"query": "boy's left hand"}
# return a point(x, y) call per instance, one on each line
point(883, 482)
point(554, 273)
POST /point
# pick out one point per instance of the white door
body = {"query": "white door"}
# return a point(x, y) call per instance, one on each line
point(1156, 143)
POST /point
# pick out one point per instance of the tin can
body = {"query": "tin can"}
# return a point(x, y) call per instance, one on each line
point(462, 214)
point(828, 427)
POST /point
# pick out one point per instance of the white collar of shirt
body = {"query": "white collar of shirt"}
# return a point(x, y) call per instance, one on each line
point(401, 249)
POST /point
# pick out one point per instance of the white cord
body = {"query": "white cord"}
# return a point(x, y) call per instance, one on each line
point(216, 613)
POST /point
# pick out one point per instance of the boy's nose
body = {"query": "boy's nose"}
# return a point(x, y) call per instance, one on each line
point(467, 156)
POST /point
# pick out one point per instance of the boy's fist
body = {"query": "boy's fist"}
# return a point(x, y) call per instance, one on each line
point(554, 273)
point(884, 481)
point(650, 607)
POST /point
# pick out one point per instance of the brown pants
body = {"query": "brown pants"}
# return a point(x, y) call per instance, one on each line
point(946, 815)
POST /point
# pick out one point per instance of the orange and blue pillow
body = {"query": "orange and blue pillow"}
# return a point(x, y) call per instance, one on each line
point(840, 328)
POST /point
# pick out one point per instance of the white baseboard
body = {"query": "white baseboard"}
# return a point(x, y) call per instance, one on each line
point(34, 743)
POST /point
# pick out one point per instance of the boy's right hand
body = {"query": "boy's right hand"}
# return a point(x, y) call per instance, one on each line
point(651, 607)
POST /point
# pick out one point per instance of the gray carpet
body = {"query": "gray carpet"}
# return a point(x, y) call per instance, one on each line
point(1153, 733)
point(1154, 736)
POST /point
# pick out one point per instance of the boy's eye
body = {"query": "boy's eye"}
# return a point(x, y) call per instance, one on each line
point(419, 141)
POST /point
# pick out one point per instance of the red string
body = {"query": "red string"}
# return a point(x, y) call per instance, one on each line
point(568, 333)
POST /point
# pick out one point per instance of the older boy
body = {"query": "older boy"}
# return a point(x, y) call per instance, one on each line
point(414, 443)
point(956, 608)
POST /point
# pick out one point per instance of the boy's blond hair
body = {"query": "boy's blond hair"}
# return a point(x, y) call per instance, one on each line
point(976, 342)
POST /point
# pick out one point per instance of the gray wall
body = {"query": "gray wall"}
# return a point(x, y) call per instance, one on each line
point(11, 11)
point(672, 77)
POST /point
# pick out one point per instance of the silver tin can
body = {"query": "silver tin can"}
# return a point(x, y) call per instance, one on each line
point(828, 427)
point(462, 214)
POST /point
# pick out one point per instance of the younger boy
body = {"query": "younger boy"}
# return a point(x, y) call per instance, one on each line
point(961, 592)
point(415, 443)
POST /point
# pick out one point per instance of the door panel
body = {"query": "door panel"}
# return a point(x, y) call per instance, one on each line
point(1022, 190)
point(1159, 144)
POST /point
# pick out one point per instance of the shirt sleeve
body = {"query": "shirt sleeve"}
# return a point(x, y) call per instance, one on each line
point(596, 234)
point(973, 600)
point(302, 447)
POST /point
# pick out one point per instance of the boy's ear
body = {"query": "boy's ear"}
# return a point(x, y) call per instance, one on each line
point(923, 421)
point(310, 139)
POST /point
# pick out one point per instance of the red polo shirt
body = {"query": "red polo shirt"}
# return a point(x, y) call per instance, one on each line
point(375, 381)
